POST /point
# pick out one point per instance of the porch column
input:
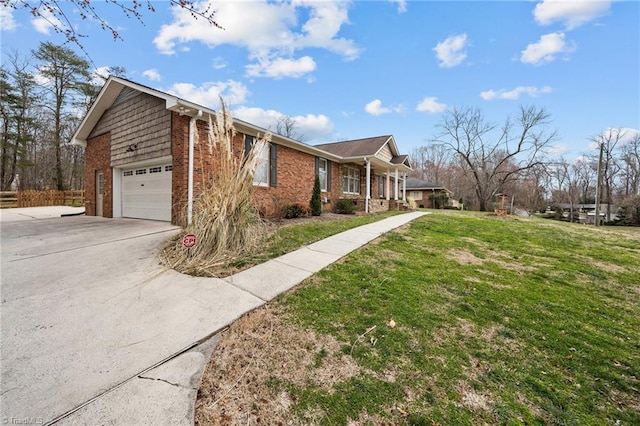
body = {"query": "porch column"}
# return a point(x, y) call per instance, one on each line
point(404, 187)
point(395, 194)
point(368, 186)
point(387, 184)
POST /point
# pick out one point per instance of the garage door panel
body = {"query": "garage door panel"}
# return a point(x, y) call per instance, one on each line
point(146, 193)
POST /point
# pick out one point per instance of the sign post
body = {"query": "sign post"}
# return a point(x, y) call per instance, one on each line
point(189, 242)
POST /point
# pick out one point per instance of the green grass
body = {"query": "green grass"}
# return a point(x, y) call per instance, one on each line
point(499, 321)
point(290, 238)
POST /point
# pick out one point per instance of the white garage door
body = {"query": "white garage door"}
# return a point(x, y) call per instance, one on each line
point(146, 192)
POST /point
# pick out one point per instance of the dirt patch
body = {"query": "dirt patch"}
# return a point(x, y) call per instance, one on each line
point(464, 257)
point(258, 353)
point(471, 399)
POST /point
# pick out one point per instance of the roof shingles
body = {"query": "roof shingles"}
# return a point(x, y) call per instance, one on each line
point(356, 147)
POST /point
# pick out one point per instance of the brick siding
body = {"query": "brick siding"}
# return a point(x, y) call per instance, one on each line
point(98, 158)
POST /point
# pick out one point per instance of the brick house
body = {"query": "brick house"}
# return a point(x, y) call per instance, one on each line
point(423, 193)
point(142, 160)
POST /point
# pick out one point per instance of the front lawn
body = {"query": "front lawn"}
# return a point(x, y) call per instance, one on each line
point(456, 318)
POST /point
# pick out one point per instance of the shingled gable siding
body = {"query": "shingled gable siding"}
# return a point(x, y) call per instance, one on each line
point(98, 157)
point(137, 119)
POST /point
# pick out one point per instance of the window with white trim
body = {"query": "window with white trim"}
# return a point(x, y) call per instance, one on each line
point(350, 180)
point(261, 177)
point(381, 186)
point(322, 173)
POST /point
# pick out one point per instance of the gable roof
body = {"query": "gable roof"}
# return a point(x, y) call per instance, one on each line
point(356, 147)
point(356, 150)
point(337, 151)
point(419, 184)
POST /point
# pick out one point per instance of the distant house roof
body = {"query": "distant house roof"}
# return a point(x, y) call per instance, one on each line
point(419, 184)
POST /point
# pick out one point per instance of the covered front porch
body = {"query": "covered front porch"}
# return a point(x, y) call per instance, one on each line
point(383, 186)
point(372, 173)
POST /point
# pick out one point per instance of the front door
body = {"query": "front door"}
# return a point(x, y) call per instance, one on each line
point(99, 192)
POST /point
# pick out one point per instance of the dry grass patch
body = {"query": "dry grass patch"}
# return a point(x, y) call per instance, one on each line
point(464, 257)
point(261, 349)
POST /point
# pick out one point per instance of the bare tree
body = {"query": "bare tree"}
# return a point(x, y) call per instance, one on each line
point(287, 126)
point(630, 162)
point(530, 191)
point(431, 162)
point(59, 14)
point(492, 156)
point(609, 140)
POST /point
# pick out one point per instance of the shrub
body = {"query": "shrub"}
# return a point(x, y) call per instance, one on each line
point(293, 211)
point(345, 206)
point(439, 200)
point(316, 200)
point(628, 213)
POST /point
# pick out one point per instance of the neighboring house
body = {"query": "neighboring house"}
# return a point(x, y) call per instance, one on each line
point(586, 213)
point(142, 160)
point(423, 193)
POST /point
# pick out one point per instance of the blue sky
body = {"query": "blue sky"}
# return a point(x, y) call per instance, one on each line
point(346, 70)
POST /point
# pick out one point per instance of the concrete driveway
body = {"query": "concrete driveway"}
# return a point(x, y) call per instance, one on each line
point(86, 306)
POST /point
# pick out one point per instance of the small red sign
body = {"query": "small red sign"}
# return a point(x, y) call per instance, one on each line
point(189, 241)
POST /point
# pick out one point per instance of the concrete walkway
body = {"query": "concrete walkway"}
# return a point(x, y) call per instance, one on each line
point(165, 393)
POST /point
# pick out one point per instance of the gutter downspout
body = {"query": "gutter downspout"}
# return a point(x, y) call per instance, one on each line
point(368, 186)
point(192, 137)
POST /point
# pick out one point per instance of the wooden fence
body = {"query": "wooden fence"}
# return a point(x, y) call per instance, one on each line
point(33, 198)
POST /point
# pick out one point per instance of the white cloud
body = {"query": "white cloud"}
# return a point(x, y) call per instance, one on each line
point(558, 149)
point(219, 63)
point(45, 22)
point(311, 126)
point(7, 23)
point(514, 94)
point(623, 134)
point(431, 105)
point(99, 75)
point(450, 52)
point(280, 67)
point(375, 108)
point(208, 94)
point(546, 49)
point(152, 74)
point(572, 13)
point(402, 5)
point(274, 34)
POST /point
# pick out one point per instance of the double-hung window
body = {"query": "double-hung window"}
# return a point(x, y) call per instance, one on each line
point(350, 180)
point(261, 176)
point(322, 173)
point(381, 186)
point(266, 173)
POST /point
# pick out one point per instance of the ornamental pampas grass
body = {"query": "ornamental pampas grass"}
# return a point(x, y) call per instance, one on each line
point(225, 221)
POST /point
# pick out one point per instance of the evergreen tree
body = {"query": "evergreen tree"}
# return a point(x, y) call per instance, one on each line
point(316, 200)
point(64, 74)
